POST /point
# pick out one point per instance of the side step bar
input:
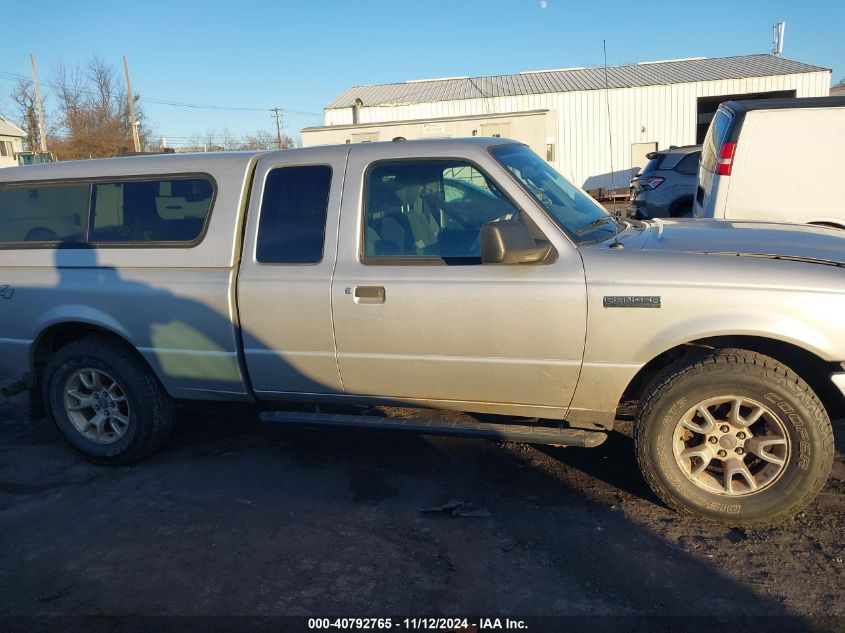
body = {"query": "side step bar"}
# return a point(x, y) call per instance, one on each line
point(509, 432)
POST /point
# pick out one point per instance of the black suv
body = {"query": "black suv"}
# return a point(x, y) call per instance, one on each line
point(666, 185)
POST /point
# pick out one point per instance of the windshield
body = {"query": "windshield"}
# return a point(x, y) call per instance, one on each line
point(582, 217)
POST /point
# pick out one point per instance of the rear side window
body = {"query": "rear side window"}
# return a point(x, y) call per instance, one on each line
point(44, 213)
point(713, 141)
point(292, 224)
point(688, 165)
point(145, 211)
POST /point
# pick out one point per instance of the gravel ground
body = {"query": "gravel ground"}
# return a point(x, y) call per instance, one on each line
point(234, 518)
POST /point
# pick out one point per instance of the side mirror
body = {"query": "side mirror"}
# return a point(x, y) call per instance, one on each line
point(511, 243)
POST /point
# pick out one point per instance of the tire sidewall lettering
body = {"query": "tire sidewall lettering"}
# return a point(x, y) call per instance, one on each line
point(804, 447)
point(783, 395)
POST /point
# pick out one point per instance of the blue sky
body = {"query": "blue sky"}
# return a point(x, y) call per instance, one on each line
point(300, 55)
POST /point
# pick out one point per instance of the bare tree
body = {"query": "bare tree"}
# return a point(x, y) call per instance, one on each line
point(211, 141)
point(260, 140)
point(230, 142)
point(23, 96)
point(265, 140)
point(195, 140)
point(92, 117)
point(287, 143)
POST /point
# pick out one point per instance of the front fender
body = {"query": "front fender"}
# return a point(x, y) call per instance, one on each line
point(700, 297)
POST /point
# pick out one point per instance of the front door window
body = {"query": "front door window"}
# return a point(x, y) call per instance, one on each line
point(430, 209)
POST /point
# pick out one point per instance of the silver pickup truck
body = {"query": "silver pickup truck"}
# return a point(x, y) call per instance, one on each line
point(456, 274)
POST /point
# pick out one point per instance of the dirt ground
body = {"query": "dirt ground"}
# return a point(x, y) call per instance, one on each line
point(237, 518)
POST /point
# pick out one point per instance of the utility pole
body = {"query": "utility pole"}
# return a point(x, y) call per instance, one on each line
point(278, 114)
point(133, 123)
point(42, 133)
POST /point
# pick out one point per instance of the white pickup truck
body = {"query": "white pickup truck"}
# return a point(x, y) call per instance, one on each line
point(464, 274)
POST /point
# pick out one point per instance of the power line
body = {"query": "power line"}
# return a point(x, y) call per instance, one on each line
point(202, 106)
point(9, 76)
point(218, 107)
point(198, 138)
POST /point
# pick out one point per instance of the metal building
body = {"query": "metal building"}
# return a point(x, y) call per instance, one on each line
point(563, 114)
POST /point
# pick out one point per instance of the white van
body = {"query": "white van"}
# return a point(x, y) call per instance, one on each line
point(780, 160)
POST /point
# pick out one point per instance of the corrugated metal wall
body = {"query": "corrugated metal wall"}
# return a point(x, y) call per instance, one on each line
point(663, 114)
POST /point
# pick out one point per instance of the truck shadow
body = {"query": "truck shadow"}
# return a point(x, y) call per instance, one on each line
point(614, 463)
point(334, 522)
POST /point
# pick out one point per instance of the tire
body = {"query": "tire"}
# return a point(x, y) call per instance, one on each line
point(673, 445)
point(138, 412)
point(683, 211)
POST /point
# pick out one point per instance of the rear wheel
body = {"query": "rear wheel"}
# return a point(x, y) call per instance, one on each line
point(106, 401)
point(735, 437)
point(683, 211)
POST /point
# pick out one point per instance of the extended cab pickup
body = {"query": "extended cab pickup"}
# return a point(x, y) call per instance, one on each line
point(462, 274)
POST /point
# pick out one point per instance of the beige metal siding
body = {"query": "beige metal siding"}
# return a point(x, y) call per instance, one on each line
point(667, 113)
point(532, 129)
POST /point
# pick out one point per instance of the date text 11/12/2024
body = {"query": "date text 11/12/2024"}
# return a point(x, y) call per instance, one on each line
point(430, 624)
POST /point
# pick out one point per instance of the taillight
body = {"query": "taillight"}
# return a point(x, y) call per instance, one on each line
point(652, 182)
point(726, 159)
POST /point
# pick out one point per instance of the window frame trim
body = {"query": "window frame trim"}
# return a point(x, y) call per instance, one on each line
point(267, 173)
point(96, 180)
point(417, 260)
point(570, 236)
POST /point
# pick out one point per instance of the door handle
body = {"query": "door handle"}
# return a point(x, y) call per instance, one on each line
point(367, 294)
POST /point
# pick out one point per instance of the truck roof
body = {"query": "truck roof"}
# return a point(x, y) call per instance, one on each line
point(202, 161)
point(128, 165)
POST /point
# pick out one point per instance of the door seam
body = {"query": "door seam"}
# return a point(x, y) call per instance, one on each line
point(334, 267)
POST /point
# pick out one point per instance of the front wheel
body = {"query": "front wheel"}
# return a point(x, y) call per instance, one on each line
point(733, 436)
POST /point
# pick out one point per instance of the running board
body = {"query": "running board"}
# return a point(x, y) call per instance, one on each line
point(510, 432)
